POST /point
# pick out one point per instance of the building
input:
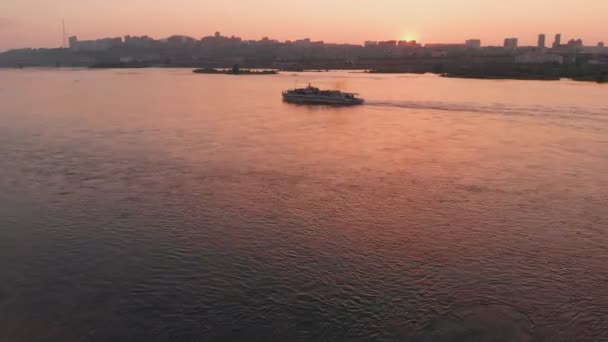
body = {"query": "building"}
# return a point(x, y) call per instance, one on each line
point(265, 41)
point(600, 45)
point(436, 46)
point(473, 43)
point(138, 42)
point(575, 45)
point(575, 42)
point(302, 42)
point(541, 41)
point(599, 60)
point(442, 50)
point(511, 44)
point(73, 42)
point(179, 40)
point(408, 44)
point(388, 44)
point(439, 54)
point(558, 41)
point(370, 43)
point(539, 58)
point(94, 45)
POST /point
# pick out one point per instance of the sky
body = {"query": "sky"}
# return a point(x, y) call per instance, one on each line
point(37, 23)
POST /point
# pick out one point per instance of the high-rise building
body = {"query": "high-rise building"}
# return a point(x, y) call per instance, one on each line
point(473, 43)
point(558, 41)
point(600, 44)
point(541, 41)
point(511, 43)
point(73, 42)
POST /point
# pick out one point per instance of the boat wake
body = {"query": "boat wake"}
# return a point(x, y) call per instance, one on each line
point(555, 112)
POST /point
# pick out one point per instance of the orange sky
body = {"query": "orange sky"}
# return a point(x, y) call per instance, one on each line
point(37, 23)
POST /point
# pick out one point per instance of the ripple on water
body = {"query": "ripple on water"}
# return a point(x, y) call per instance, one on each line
point(479, 322)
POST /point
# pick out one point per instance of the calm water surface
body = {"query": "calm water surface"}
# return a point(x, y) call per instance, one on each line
point(160, 205)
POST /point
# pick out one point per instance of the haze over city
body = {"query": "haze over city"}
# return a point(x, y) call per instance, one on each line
point(37, 23)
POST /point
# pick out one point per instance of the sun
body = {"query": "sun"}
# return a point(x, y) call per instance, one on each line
point(409, 36)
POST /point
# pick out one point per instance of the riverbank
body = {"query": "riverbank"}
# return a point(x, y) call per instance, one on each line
point(512, 72)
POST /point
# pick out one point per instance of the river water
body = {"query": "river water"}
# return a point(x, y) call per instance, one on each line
point(160, 205)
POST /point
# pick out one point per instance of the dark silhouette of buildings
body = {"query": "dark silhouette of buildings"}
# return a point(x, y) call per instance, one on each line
point(219, 51)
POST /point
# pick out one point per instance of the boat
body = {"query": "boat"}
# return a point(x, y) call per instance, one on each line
point(313, 95)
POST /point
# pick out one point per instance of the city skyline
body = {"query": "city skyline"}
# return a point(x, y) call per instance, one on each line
point(30, 23)
point(509, 42)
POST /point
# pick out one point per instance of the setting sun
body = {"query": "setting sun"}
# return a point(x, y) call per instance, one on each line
point(409, 36)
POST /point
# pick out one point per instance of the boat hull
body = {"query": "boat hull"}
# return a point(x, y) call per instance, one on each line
point(315, 100)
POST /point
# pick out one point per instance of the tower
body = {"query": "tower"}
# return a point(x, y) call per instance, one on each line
point(558, 41)
point(63, 45)
point(541, 41)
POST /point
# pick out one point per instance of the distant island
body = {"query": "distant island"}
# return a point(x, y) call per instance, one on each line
point(504, 70)
point(236, 70)
point(218, 54)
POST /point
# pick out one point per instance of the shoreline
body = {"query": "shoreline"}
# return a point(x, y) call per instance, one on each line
point(599, 79)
